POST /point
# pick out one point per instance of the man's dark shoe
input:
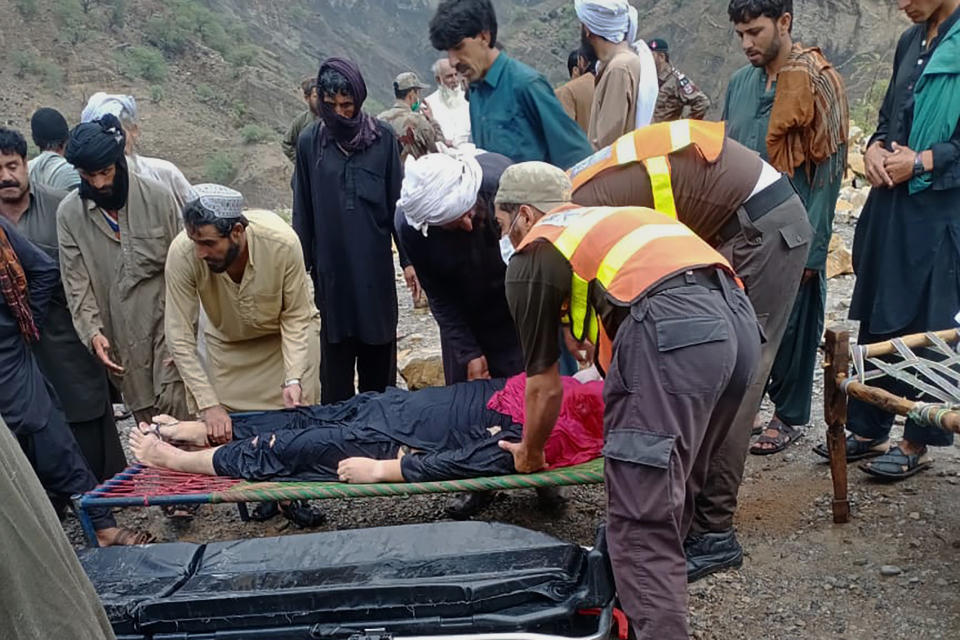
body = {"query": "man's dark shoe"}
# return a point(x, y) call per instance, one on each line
point(711, 552)
point(467, 505)
point(551, 499)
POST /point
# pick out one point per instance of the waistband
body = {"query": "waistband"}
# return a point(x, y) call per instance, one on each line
point(758, 206)
point(708, 277)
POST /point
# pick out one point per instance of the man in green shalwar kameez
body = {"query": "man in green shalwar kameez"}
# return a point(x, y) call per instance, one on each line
point(801, 128)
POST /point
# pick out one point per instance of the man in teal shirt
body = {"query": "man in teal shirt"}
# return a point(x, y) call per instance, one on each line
point(803, 134)
point(513, 110)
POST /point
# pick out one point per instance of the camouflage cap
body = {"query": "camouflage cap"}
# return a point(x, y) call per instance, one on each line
point(537, 184)
point(409, 80)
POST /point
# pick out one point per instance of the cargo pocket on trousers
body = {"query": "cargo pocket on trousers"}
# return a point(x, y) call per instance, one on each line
point(693, 353)
point(639, 447)
point(796, 234)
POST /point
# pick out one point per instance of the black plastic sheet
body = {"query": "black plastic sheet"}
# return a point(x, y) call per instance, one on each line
point(459, 577)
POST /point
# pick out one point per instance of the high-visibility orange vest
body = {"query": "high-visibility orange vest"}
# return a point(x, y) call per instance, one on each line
point(651, 145)
point(625, 250)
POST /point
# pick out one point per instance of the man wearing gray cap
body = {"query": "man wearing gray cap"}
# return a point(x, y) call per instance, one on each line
point(245, 268)
point(678, 341)
point(417, 133)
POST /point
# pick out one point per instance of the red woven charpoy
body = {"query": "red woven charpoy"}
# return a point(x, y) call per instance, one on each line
point(147, 482)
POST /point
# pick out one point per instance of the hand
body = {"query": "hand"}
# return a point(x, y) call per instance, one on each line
point(413, 283)
point(582, 350)
point(808, 274)
point(425, 109)
point(477, 369)
point(101, 347)
point(292, 396)
point(525, 460)
point(873, 160)
point(219, 426)
point(899, 164)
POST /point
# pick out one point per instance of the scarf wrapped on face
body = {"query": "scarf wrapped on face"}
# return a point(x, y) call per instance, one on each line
point(356, 133)
point(94, 146)
point(13, 287)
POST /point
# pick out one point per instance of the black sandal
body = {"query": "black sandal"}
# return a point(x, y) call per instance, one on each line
point(857, 449)
point(300, 513)
point(897, 465)
point(786, 435)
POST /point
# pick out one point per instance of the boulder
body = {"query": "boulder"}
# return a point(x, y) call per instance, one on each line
point(420, 373)
point(855, 160)
point(839, 258)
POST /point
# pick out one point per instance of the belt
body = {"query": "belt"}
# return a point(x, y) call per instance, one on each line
point(758, 206)
point(704, 276)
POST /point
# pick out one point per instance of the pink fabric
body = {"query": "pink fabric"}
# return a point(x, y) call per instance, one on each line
point(578, 434)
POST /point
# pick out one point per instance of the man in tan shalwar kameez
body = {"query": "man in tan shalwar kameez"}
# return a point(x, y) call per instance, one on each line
point(263, 335)
point(113, 234)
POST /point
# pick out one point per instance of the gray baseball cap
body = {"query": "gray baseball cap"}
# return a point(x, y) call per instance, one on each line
point(538, 184)
point(409, 80)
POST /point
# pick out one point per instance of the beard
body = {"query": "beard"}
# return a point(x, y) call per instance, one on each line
point(451, 97)
point(769, 55)
point(219, 266)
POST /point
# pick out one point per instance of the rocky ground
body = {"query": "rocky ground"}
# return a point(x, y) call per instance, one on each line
point(892, 572)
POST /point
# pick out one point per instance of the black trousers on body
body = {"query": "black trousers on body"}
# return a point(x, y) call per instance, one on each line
point(374, 365)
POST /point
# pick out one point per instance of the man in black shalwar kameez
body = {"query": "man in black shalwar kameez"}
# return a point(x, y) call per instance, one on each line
point(906, 251)
point(345, 189)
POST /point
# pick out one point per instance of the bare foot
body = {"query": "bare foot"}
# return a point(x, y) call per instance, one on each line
point(121, 536)
point(360, 470)
point(150, 450)
point(181, 432)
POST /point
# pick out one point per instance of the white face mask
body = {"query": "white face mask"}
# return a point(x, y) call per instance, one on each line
point(506, 249)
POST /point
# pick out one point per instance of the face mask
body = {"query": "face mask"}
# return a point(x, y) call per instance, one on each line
point(506, 249)
point(416, 106)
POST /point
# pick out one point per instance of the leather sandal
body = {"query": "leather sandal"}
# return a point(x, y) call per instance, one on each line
point(857, 449)
point(786, 435)
point(128, 537)
point(895, 464)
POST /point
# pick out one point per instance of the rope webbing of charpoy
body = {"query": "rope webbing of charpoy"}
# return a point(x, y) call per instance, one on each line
point(145, 486)
point(935, 374)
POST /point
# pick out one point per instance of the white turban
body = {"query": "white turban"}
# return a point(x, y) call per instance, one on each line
point(438, 188)
point(613, 20)
point(100, 104)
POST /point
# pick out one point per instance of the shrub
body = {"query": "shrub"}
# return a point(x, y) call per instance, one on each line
point(254, 133)
point(157, 93)
point(51, 74)
point(28, 8)
point(143, 62)
point(24, 62)
point(205, 93)
point(242, 56)
point(118, 14)
point(166, 35)
point(220, 168)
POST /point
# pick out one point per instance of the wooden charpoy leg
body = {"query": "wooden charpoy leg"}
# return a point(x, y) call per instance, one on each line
point(836, 369)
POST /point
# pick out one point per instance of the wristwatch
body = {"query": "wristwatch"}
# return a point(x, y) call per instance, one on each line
point(918, 168)
point(291, 382)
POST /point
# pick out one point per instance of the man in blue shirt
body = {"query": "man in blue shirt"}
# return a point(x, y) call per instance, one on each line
point(513, 110)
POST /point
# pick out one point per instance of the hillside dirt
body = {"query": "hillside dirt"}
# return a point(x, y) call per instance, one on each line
point(803, 578)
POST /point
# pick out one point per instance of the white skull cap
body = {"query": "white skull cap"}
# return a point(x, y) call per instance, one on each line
point(223, 202)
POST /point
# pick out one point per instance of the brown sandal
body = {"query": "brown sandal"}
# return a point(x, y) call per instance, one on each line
point(786, 435)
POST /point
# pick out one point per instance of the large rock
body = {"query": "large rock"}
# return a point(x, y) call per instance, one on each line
point(420, 373)
point(839, 258)
point(855, 160)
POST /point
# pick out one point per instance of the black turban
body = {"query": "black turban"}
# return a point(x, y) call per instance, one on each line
point(96, 145)
point(49, 128)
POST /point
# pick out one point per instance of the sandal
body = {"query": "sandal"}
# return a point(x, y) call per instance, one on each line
point(786, 435)
point(264, 511)
point(121, 412)
point(128, 537)
point(180, 513)
point(857, 449)
point(300, 513)
point(897, 465)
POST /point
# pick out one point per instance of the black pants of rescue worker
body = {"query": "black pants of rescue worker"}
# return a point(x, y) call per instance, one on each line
point(375, 367)
point(683, 359)
point(55, 456)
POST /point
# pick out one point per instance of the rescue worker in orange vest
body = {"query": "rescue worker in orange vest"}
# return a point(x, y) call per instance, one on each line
point(678, 341)
point(749, 213)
